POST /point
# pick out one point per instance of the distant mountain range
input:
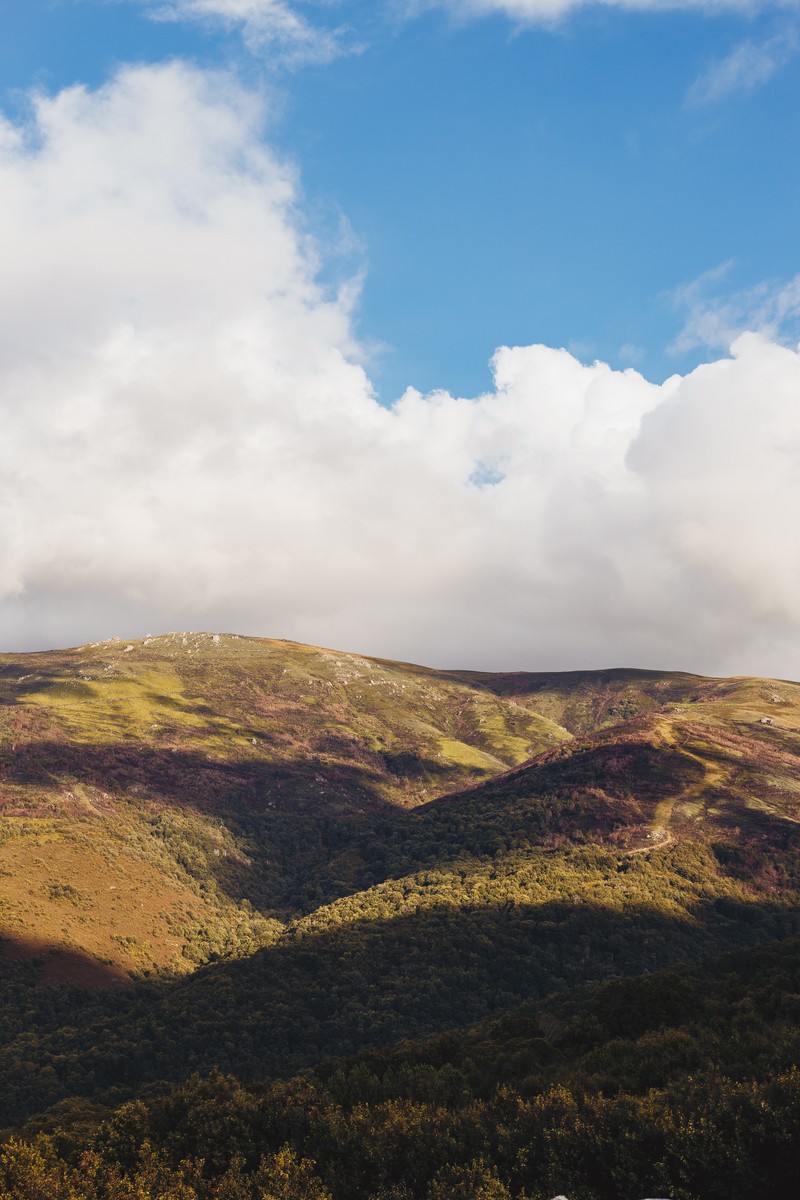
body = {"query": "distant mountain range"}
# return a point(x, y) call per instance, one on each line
point(417, 887)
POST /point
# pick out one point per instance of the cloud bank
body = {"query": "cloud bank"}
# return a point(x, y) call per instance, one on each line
point(189, 440)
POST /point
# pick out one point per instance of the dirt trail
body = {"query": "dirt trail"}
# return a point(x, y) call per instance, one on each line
point(661, 837)
point(713, 776)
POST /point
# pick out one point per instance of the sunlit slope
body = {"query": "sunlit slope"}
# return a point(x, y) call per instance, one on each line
point(387, 851)
point(721, 762)
point(160, 798)
point(400, 733)
point(185, 798)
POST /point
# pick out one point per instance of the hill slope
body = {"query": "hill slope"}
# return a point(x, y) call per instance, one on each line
point(155, 794)
point(505, 895)
point(170, 801)
point(389, 851)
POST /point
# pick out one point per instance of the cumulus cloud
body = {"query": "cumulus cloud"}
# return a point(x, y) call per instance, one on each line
point(188, 439)
point(534, 12)
point(265, 24)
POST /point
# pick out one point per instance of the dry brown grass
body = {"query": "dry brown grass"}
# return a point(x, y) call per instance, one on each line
point(59, 893)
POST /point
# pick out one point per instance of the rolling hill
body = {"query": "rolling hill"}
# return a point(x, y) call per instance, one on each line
point(256, 857)
point(180, 799)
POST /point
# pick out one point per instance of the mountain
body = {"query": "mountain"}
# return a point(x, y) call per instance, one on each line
point(153, 791)
point(179, 799)
point(255, 857)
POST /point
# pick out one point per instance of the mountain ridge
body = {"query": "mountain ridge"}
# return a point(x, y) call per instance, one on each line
point(207, 765)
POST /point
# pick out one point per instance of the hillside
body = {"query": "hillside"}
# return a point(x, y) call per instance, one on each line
point(681, 1084)
point(171, 801)
point(250, 856)
point(154, 791)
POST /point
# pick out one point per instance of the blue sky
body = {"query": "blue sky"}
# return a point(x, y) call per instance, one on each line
point(463, 333)
point(503, 183)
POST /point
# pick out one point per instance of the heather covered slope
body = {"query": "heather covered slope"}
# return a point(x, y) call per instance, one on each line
point(269, 806)
point(157, 796)
point(506, 895)
point(280, 722)
point(173, 800)
point(186, 798)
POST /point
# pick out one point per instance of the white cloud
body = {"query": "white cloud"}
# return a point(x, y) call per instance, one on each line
point(535, 12)
point(748, 66)
point(279, 26)
point(188, 440)
point(265, 24)
point(714, 321)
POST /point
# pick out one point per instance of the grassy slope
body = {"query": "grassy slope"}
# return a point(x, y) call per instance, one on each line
point(151, 791)
point(179, 799)
point(391, 851)
point(193, 798)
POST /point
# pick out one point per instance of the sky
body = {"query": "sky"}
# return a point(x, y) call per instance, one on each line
point(462, 333)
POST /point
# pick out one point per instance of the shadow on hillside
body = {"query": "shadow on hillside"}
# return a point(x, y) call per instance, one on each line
point(741, 819)
point(542, 806)
point(526, 683)
point(35, 673)
point(191, 778)
point(310, 832)
point(627, 765)
point(43, 964)
point(335, 991)
point(307, 831)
